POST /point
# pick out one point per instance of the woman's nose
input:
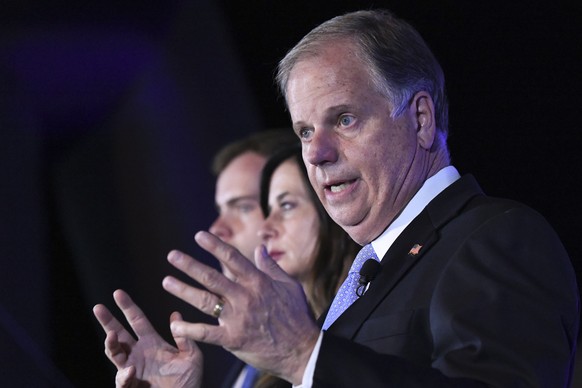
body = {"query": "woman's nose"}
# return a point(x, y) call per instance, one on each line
point(267, 230)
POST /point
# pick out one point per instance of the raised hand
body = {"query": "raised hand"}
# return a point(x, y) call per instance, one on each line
point(148, 361)
point(264, 319)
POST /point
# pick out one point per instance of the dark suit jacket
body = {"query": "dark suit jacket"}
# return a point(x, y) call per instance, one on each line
point(490, 300)
point(232, 374)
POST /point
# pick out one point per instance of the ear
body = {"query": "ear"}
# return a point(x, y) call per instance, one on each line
point(423, 107)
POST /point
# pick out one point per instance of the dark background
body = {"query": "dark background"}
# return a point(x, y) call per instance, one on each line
point(110, 112)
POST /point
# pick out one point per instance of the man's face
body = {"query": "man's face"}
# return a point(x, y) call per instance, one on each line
point(361, 162)
point(237, 201)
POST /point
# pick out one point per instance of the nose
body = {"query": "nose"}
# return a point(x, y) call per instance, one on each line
point(220, 228)
point(267, 231)
point(321, 149)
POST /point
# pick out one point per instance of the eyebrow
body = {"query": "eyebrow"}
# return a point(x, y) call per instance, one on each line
point(336, 108)
point(282, 195)
point(330, 111)
point(235, 200)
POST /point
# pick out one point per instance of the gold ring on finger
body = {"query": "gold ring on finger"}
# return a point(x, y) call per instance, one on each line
point(218, 307)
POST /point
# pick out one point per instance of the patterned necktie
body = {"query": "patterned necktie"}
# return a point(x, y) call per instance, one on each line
point(346, 295)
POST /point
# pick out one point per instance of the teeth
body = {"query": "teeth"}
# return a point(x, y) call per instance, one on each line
point(338, 188)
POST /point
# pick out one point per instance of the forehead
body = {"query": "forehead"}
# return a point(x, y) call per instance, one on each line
point(335, 76)
point(241, 176)
point(287, 178)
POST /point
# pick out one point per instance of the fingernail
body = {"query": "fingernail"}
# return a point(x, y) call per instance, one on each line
point(264, 251)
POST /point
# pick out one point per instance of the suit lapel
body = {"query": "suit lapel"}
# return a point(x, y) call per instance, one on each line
point(408, 249)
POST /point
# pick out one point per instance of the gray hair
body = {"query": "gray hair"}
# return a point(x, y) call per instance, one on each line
point(399, 62)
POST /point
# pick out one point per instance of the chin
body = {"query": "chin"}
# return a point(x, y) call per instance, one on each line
point(347, 222)
point(357, 234)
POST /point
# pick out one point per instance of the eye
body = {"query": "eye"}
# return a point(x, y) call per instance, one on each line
point(305, 133)
point(287, 205)
point(346, 120)
point(246, 207)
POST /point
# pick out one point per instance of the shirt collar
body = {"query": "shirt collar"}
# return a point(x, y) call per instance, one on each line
point(432, 187)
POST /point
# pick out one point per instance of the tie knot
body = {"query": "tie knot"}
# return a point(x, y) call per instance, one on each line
point(367, 252)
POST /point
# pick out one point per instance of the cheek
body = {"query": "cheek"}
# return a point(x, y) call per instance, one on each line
point(300, 236)
point(254, 225)
point(311, 174)
point(306, 244)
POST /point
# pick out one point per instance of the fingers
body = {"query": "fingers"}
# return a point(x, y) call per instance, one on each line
point(266, 264)
point(114, 350)
point(184, 344)
point(231, 260)
point(105, 318)
point(175, 316)
point(203, 274)
point(201, 299)
point(124, 377)
point(134, 315)
point(110, 323)
point(220, 288)
point(199, 332)
point(116, 335)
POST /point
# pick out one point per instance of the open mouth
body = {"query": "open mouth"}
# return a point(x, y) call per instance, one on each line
point(337, 187)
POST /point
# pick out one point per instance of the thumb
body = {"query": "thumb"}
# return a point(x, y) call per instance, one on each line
point(267, 265)
point(124, 377)
point(184, 344)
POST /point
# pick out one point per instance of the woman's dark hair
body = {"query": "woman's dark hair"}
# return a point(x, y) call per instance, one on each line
point(335, 250)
